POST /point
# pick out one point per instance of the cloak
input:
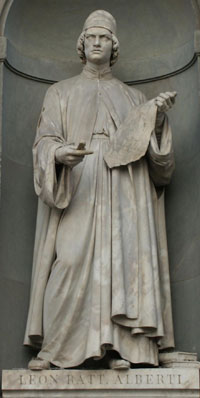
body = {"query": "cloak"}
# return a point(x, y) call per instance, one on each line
point(100, 269)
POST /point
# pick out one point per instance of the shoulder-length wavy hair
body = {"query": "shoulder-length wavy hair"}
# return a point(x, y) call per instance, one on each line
point(80, 47)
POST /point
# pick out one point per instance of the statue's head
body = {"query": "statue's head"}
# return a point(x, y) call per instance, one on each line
point(98, 42)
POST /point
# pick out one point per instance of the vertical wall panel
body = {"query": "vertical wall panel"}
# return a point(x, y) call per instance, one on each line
point(156, 37)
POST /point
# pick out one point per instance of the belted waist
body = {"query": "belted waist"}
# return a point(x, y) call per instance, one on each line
point(102, 135)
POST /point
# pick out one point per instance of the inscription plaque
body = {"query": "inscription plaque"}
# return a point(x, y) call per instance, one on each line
point(134, 379)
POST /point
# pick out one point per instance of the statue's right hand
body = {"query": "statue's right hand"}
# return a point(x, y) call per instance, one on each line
point(70, 155)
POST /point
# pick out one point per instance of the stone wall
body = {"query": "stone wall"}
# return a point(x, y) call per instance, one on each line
point(41, 39)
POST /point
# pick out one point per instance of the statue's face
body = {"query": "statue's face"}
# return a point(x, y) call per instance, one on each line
point(98, 45)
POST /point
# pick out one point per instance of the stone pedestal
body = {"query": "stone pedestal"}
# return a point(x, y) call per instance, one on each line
point(140, 383)
point(179, 359)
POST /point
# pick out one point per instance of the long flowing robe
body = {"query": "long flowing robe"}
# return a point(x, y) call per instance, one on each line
point(100, 275)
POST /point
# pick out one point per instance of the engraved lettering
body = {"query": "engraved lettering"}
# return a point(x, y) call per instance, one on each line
point(22, 381)
point(80, 380)
point(179, 379)
point(149, 379)
point(31, 379)
point(170, 379)
point(91, 378)
point(127, 379)
point(101, 379)
point(118, 380)
point(53, 379)
point(160, 379)
point(138, 379)
point(42, 379)
point(70, 379)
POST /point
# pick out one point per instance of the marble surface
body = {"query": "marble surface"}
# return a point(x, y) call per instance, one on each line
point(155, 382)
point(179, 360)
point(178, 355)
point(139, 379)
point(104, 293)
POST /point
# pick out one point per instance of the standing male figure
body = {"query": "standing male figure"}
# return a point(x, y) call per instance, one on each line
point(100, 279)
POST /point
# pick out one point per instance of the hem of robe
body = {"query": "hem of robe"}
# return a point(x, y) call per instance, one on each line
point(150, 358)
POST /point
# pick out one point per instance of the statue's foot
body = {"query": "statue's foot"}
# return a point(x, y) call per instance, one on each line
point(117, 364)
point(38, 364)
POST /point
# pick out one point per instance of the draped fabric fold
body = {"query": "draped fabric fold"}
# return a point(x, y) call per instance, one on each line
point(101, 276)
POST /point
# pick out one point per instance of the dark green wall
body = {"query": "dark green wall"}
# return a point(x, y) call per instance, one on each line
point(156, 37)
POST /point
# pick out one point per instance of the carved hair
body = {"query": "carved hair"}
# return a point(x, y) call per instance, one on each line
point(81, 49)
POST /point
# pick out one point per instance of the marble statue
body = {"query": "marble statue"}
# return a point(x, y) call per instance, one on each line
point(102, 156)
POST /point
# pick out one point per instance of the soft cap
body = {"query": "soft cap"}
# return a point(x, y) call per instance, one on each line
point(101, 19)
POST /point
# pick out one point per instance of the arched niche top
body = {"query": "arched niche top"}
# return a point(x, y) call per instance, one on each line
point(156, 36)
point(4, 10)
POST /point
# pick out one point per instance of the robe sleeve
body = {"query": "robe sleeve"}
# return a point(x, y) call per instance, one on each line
point(52, 182)
point(160, 155)
point(160, 151)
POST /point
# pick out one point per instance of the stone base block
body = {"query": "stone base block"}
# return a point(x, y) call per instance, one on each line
point(179, 359)
point(140, 383)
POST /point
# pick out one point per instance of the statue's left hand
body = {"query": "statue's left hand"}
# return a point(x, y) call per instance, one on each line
point(165, 101)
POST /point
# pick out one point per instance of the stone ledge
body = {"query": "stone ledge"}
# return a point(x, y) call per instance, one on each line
point(140, 383)
point(102, 394)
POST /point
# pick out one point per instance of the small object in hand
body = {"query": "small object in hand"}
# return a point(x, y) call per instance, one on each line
point(173, 98)
point(81, 146)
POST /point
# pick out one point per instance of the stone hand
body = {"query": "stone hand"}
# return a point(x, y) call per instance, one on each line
point(70, 155)
point(165, 101)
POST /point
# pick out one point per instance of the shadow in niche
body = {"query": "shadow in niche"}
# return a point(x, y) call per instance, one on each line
point(103, 363)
